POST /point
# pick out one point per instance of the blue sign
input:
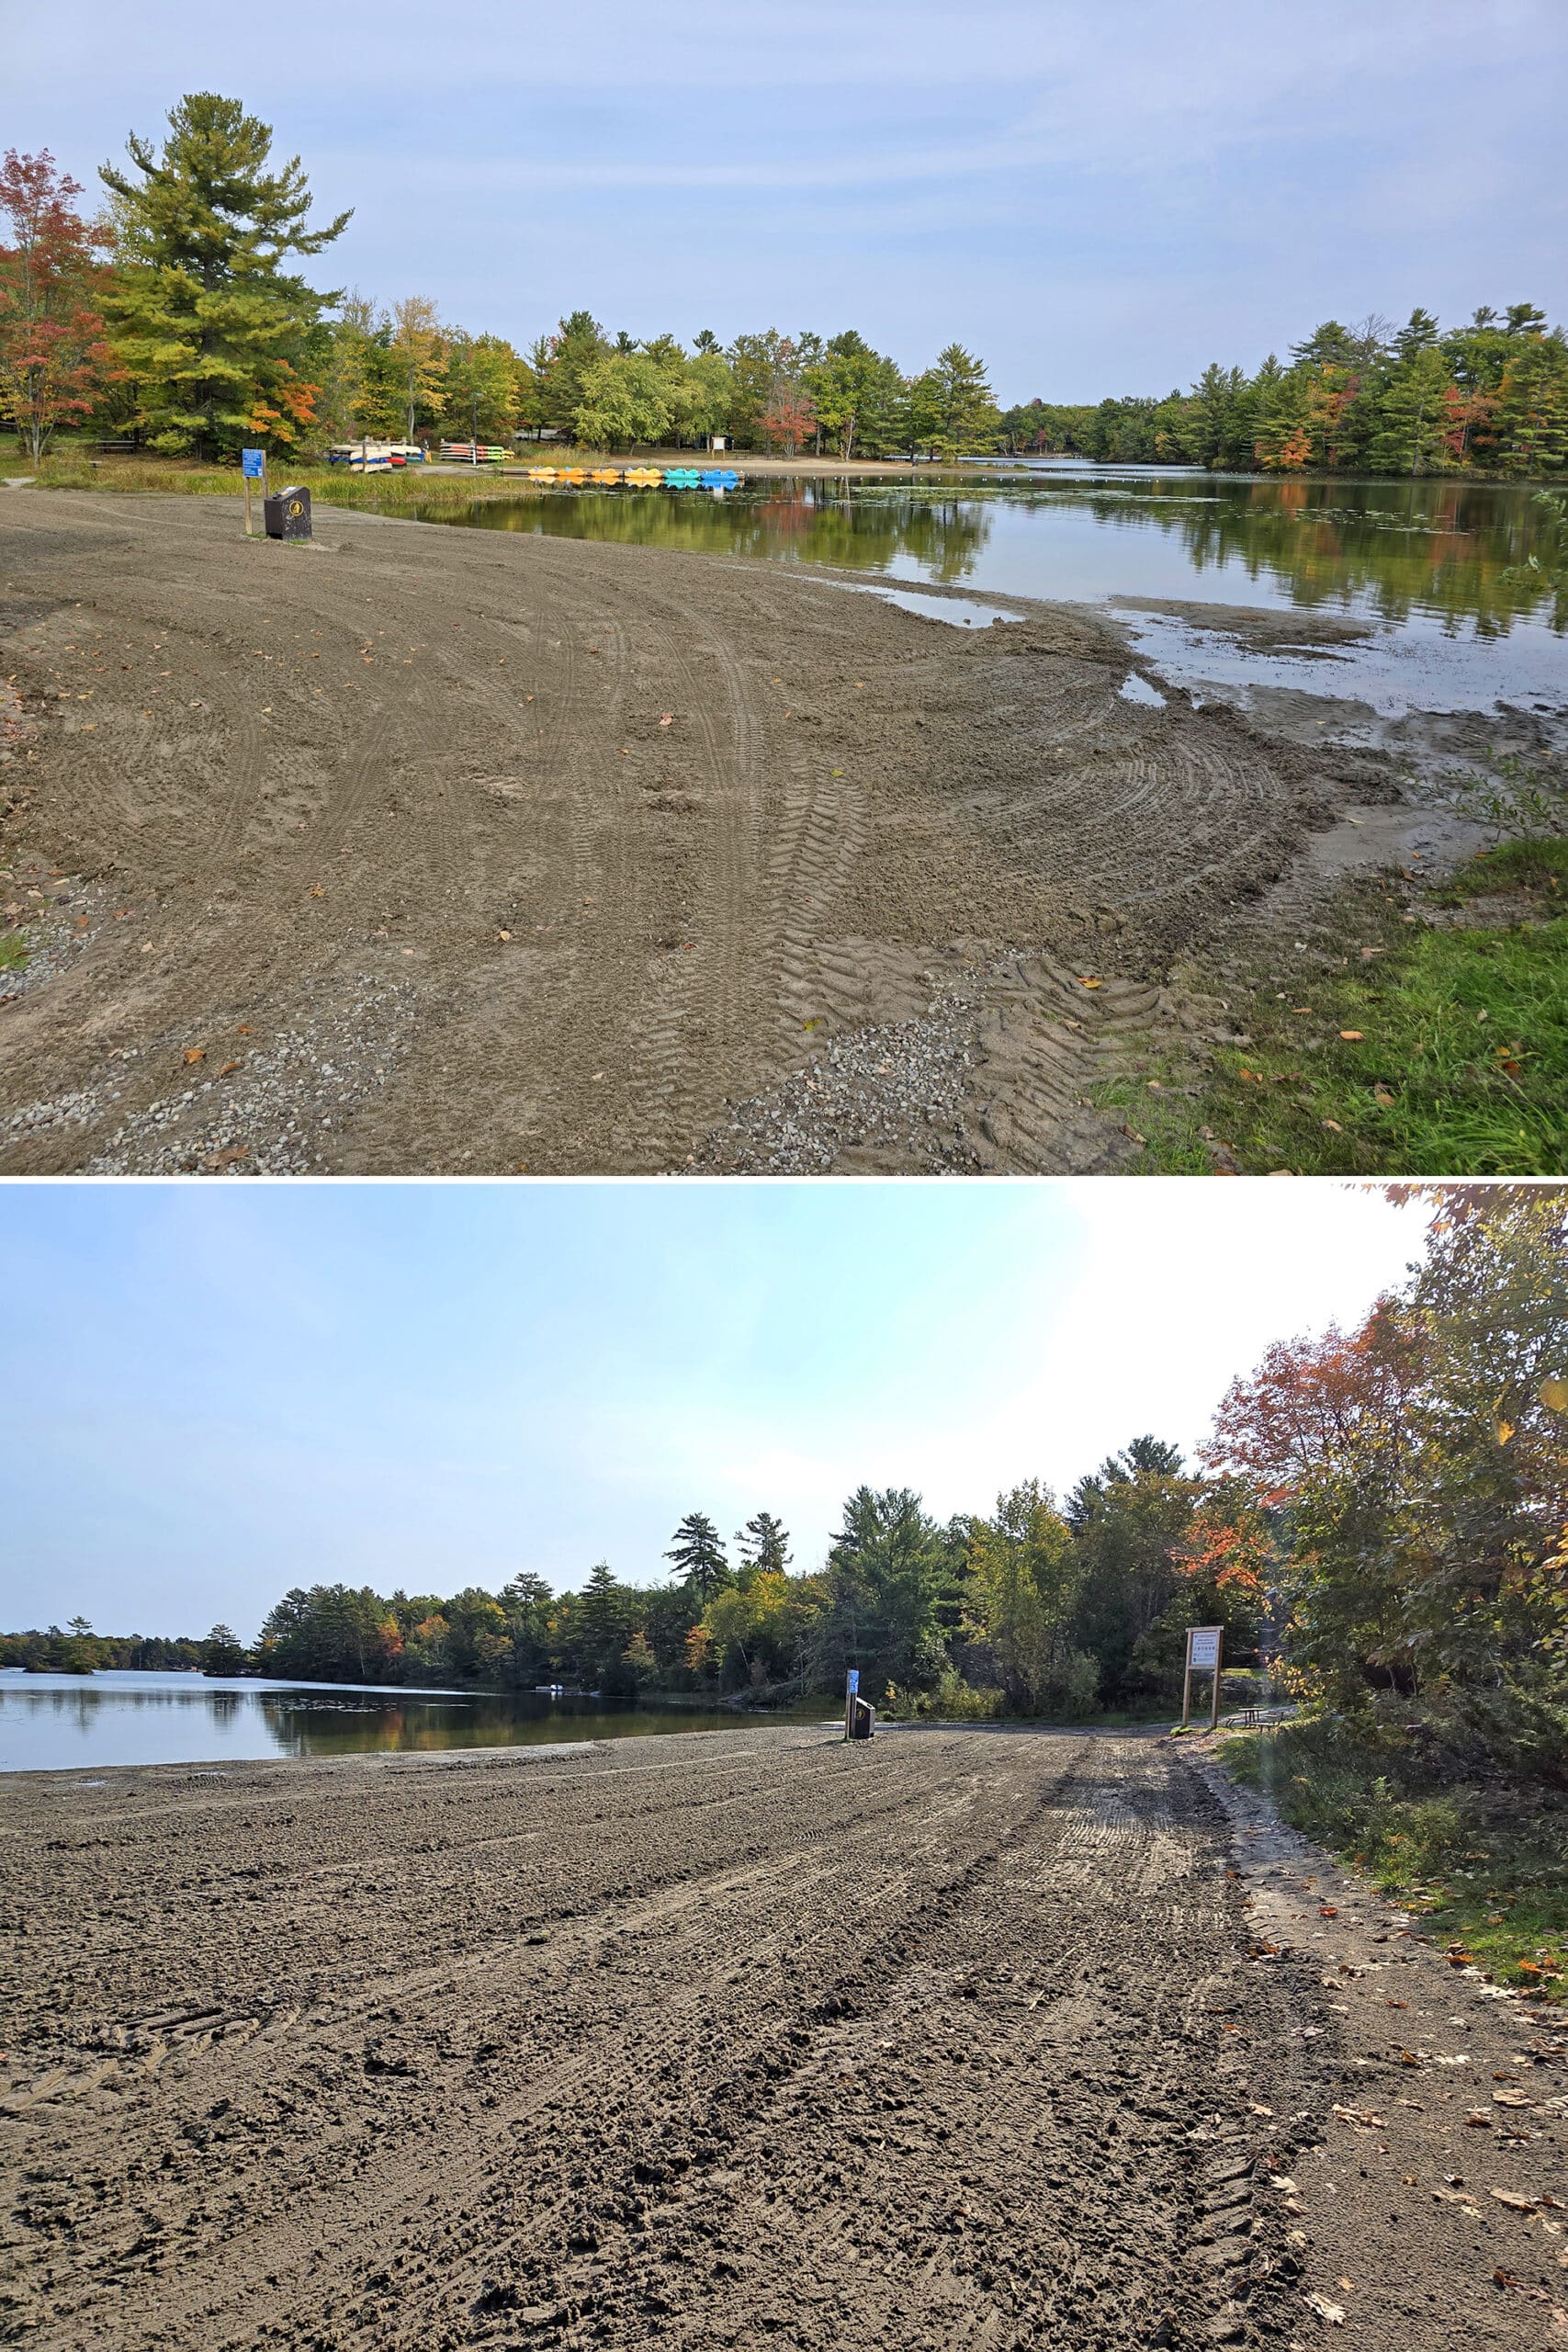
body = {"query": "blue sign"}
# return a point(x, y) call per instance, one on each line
point(253, 461)
point(854, 1682)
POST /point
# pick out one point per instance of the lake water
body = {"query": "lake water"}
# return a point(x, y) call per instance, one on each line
point(50, 1723)
point(1425, 565)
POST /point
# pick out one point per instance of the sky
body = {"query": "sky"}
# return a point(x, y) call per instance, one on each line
point(1097, 199)
point(217, 1391)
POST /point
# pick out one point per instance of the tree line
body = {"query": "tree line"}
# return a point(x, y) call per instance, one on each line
point(175, 316)
point(1376, 1514)
point(1490, 397)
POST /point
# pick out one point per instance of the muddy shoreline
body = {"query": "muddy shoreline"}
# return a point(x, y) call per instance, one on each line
point(959, 2039)
point(424, 850)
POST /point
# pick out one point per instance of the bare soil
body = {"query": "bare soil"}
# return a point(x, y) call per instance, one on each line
point(968, 2038)
point(420, 850)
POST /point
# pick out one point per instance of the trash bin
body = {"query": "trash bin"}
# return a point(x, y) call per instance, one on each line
point(287, 514)
point(862, 1719)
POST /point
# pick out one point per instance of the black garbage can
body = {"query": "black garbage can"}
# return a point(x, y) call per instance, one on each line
point(862, 1719)
point(286, 515)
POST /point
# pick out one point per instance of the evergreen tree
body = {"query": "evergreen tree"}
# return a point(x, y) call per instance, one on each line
point(602, 1625)
point(1128, 1520)
point(201, 311)
point(886, 1575)
point(561, 361)
point(698, 1556)
point(763, 1546)
point(967, 412)
point(221, 1653)
point(1531, 419)
point(1412, 412)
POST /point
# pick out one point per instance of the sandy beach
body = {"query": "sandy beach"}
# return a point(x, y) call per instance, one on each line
point(980, 2038)
point(434, 850)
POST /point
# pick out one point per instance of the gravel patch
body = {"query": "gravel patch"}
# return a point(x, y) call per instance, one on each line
point(897, 1088)
point(57, 917)
point(282, 1110)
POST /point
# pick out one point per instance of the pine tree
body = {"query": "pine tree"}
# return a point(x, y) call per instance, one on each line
point(763, 1546)
point(201, 311)
point(601, 1622)
point(221, 1652)
point(1532, 422)
point(561, 361)
point(699, 1558)
point(1412, 414)
point(968, 414)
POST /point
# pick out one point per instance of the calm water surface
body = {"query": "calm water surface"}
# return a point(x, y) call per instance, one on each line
point(53, 1722)
point(1425, 564)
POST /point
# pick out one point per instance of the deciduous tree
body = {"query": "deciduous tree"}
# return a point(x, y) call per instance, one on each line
point(55, 362)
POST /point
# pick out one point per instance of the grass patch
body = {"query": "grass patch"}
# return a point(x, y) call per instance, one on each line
point(13, 951)
point(1478, 1849)
point(1399, 1046)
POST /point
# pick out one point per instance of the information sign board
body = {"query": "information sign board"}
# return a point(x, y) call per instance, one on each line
point(1205, 1651)
point(253, 463)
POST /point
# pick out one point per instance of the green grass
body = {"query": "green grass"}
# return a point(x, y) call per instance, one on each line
point(1456, 1062)
point(1482, 1855)
point(13, 951)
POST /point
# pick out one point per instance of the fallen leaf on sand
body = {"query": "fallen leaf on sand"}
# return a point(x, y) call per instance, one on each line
point(227, 1067)
point(1510, 2198)
point(1364, 2117)
point(1284, 2183)
point(1333, 2312)
point(667, 719)
point(1090, 984)
point(195, 1053)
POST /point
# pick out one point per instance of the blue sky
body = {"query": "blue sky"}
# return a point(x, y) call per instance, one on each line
point(1097, 198)
point(218, 1391)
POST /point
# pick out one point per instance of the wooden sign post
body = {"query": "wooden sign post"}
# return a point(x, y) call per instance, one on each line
point(1205, 1647)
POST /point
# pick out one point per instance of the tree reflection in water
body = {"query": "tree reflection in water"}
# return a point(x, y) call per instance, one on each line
point(1455, 551)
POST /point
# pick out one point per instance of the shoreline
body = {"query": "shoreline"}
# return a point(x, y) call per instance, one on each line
point(708, 865)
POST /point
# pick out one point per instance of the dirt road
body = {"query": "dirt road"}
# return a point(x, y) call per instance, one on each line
point(966, 2038)
point(428, 850)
